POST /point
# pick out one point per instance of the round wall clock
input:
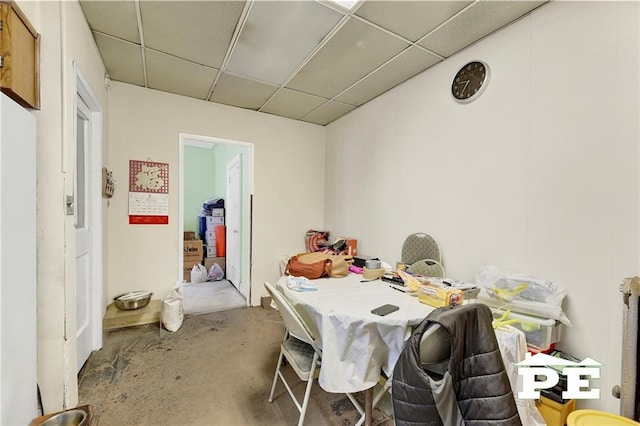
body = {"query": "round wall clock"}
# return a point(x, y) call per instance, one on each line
point(470, 81)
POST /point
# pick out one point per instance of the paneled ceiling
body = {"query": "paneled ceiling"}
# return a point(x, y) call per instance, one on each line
point(307, 60)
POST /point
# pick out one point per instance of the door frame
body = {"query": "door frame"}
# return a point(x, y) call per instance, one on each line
point(188, 139)
point(83, 89)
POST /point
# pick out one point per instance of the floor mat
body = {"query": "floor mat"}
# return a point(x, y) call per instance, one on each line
point(211, 296)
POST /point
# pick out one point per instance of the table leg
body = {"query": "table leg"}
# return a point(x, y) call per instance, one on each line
point(368, 407)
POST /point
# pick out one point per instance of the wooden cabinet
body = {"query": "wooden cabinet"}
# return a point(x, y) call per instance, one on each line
point(19, 56)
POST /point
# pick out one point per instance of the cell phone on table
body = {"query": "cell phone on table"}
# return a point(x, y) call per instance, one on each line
point(384, 310)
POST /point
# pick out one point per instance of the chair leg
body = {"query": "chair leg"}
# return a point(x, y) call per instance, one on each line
point(307, 392)
point(358, 409)
point(275, 377)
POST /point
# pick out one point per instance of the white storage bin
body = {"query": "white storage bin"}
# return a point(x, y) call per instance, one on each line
point(211, 250)
point(540, 333)
point(213, 221)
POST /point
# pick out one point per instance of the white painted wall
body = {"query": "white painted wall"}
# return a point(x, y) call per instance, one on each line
point(288, 183)
point(65, 37)
point(539, 175)
point(18, 322)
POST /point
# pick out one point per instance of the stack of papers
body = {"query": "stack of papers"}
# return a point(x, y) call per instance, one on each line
point(301, 284)
point(453, 283)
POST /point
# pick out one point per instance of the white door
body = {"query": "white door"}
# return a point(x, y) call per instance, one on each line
point(83, 227)
point(234, 221)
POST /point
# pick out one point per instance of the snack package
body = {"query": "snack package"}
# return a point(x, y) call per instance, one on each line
point(437, 295)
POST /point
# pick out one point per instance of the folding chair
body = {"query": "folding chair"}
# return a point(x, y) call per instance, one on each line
point(421, 254)
point(302, 352)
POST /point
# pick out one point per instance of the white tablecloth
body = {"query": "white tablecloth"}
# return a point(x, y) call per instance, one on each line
point(356, 344)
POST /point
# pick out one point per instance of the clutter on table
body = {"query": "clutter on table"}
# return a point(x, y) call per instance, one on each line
point(316, 240)
point(531, 304)
point(522, 293)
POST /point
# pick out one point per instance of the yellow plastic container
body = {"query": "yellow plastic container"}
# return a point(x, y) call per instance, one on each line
point(555, 413)
point(597, 418)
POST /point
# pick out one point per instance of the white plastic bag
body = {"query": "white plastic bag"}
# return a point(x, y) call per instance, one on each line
point(172, 308)
point(215, 273)
point(198, 274)
point(522, 293)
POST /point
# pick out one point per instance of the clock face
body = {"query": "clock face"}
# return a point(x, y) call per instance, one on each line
point(470, 81)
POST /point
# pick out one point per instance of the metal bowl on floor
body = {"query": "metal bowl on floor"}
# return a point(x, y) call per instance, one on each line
point(132, 300)
point(75, 417)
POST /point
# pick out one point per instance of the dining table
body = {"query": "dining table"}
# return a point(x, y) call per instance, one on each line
point(357, 345)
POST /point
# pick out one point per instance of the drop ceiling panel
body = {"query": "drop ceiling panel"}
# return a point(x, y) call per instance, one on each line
point(122, 59)
point(289, 103)
point(354, 51)
point(115, 18)
point(240, 92)
point(477, 21)
point(410, 19)
point(199, 31)
point(327, 113)
point(175, 75)
point(278, 36)
point(406, 65)
point(257, 47)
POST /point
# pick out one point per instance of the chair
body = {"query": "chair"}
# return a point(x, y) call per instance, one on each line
point(302, 352)
point(421, 253)
point(451, 371)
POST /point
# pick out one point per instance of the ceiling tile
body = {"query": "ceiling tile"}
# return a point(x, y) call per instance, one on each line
point(354, 51)
point(410, 19)
point(292, 104)
point(122, 59)
point(406, 65)
point(278, 36)
point(175, 75)
point(116, 18)
point(476, 22)
point(237, 91)
point(327, 113)
point(199, 31)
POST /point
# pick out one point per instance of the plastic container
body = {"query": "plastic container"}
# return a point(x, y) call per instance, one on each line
point(555, 413)
point(597, 418)
point(541, 333)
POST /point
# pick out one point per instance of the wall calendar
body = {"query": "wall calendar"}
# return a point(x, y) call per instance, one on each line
point(148, 193)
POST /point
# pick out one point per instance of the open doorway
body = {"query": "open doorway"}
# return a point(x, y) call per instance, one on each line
point(206, 199)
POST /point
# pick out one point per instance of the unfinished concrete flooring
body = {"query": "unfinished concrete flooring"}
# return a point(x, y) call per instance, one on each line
point(216, 369)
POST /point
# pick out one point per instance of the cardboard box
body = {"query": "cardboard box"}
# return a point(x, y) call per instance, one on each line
point(352, 246)
point(189, 235)
point(217, 212)
point(211, 250)
point(210, 234)
point(212, 221)
point(221, 261)
point(186, 269)
point(192, 250)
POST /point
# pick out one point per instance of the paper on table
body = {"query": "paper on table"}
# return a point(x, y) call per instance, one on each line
point(301, 284)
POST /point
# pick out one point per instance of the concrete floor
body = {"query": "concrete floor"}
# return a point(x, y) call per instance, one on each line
point(216, 369)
